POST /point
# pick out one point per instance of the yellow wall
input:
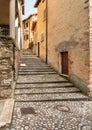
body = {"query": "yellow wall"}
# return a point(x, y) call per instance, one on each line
point(28, 31)
point(68, 21)
point(41, 27)
point(35, 49)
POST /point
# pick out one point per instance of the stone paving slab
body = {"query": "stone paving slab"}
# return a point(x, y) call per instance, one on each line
point(6, 113)
point(53, 116)
point(2, 102)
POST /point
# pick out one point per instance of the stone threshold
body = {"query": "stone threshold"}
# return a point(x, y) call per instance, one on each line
point(6, 113)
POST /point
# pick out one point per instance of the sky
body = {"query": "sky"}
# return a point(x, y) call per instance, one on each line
point(29, 8)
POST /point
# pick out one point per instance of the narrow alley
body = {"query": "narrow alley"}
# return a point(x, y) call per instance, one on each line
point(45, 65)
point(45, 100)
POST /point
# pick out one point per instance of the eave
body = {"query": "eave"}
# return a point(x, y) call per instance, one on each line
point(37, 3)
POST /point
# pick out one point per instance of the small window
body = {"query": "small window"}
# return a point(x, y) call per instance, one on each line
point(23, 9)
point(26, 24)
point(26, 37)
point(44, 14)
point(42, 36)
point(43, 1)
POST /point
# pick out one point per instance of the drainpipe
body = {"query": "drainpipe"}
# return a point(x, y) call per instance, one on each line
point(46, 31)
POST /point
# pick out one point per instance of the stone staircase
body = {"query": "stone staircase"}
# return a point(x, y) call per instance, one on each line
point(38, 82)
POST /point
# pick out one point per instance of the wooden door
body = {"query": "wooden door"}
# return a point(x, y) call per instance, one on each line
point(64, 56)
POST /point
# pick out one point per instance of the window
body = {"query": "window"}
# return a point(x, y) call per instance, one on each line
point(4, 30)
point(42, 36)
point(43, 1)
point(23, 9)
point(44, 14)
point(26, 25)
point(26, 37)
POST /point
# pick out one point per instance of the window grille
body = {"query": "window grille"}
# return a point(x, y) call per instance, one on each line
point(4, 30)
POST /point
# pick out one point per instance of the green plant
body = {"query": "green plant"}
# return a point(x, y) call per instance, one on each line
point(31, 44)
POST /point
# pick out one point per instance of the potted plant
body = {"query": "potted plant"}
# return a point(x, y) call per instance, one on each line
point(31, 45)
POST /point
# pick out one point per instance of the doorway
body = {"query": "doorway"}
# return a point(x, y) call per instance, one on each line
point(64, 57)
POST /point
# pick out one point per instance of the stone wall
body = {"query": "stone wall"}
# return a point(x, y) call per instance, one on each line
point(7, 67)
point(90, 44)
point(16, 63)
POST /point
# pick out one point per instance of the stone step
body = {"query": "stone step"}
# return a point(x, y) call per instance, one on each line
point(34, 66)
point(35, 73)
point(45, 82)
point(46, 90)
point(42, 78)
point(23, 65)
point(50, 70)
point(33, 63)
point(50, 97)
point(32, 58)
point(44, 85)
point(35, 69)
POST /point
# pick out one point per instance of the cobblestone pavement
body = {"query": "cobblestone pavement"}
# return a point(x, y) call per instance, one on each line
point(46, 101)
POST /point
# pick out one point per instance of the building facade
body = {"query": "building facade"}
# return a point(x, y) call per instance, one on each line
point(11, 19)
point(67, 45)
point(27, 31)
point(41, 29)
point(68, 40)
